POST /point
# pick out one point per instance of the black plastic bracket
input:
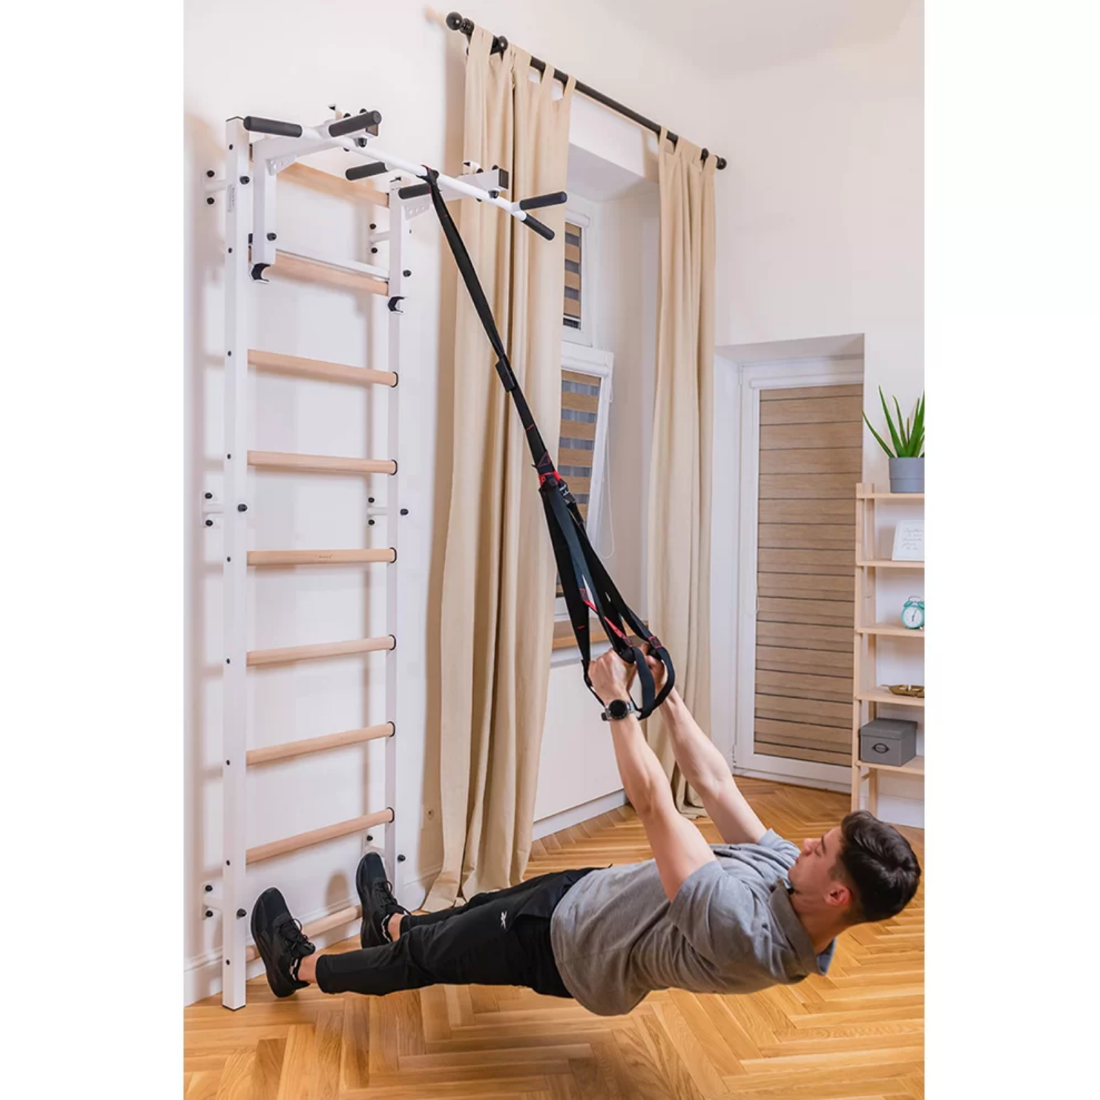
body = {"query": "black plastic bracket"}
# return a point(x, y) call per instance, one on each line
point(393, 303)
point(258, 272)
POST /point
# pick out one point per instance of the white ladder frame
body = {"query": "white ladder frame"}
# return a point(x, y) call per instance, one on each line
point(249, 188)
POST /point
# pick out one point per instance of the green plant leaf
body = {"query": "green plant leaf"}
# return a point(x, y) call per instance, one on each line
point(878, 437)
point(918, 426)
point(903, 431)
point(890, 425)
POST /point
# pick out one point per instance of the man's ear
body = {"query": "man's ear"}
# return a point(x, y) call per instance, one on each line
point(838, 894)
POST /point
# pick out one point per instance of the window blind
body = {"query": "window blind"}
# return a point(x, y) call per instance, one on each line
point(580, 403)
point(571, 309)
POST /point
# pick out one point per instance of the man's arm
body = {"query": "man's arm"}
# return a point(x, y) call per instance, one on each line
point(706, 770)
point(678, 846)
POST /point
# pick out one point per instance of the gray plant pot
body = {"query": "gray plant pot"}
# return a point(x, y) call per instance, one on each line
point(907, 475)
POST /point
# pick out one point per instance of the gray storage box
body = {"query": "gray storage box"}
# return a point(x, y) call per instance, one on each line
point(888, 741)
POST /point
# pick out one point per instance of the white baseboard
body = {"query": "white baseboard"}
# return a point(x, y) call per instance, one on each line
point(576, 814)
point(202, 976)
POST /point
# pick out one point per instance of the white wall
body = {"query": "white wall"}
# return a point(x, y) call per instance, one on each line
point(284, 59)
point(820, 234)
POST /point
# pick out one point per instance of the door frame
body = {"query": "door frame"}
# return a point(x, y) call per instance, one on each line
point(752, 377)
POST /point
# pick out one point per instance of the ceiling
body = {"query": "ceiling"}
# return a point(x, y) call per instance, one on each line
point(725, 37)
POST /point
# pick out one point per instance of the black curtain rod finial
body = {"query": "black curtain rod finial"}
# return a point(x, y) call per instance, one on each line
point(457, 23)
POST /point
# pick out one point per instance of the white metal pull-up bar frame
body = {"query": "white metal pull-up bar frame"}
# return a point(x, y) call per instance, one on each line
point(252, 255)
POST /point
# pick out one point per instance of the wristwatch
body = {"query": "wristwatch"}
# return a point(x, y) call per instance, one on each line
point(619, 708)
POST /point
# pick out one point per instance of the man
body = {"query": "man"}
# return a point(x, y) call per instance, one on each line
point(732, 918)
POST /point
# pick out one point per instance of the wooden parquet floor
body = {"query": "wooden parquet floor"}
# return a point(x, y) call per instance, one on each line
point(858, 1032)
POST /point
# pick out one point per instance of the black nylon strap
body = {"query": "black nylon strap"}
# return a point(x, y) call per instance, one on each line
point(585, 582)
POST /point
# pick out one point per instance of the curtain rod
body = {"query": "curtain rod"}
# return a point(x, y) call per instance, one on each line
point(466, 26)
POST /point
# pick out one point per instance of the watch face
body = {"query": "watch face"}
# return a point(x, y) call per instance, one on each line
point(912, 616)
point(617, 708)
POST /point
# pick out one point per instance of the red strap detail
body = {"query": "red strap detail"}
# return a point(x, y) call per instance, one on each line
point(588, 603)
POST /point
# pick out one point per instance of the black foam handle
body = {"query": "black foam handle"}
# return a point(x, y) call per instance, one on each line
point(542, 230)
point(361, 171)
point(535, 202)
point(256, 125)
point(349, 125)
point(414, 191)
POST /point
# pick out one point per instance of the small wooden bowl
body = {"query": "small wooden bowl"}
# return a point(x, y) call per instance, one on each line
point(914, 691)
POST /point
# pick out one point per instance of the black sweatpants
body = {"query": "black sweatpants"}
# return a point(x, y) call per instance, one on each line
point(500, 938)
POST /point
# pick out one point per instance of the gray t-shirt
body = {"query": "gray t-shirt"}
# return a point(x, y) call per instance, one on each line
point(730, 929)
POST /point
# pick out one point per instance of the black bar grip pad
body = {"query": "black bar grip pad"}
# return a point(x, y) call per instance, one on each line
point(538, 227)
point(535, 202)
point(361, 171)
point(354, 122)
point(271, 126)
point(415, 191)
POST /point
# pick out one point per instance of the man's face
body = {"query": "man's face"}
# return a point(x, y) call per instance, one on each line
point(812, 873)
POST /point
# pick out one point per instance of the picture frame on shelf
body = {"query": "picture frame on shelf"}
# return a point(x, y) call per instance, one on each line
point(908, 540)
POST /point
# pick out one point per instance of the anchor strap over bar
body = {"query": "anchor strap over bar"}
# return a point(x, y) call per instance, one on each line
point(586, 583)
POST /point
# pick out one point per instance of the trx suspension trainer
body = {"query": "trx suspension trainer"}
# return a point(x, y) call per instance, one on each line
point(585, 582)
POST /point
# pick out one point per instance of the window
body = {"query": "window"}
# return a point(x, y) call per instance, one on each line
point(582, 435)
point(579, 306)
point(574, 242)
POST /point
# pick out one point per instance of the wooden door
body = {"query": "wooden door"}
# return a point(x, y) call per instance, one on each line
point(810, 461)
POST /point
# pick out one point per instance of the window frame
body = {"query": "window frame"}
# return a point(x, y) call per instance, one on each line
point(600, 364)
point(585, 214)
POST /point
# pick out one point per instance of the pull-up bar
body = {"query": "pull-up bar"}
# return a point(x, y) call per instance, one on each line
point(332, 133)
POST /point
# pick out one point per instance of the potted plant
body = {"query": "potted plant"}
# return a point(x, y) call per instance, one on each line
point(907, 457)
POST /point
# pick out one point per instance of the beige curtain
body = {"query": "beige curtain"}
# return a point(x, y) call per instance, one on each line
point(680, 465)
point(498, 582)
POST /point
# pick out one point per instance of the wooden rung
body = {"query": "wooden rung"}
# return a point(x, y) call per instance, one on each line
point(318, 744)
point(318, 927)
point(341, 188)
point(273, 362)
point(290, 654)
point(289, 266)
point(321, 464)
point(316, 836)
point(321, 557)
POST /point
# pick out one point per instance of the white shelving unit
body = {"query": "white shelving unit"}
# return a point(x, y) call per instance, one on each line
point(869, 695)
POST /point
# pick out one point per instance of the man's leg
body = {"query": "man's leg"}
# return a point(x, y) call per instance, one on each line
point(498, 938)
point(401, 923)
point(474, 946)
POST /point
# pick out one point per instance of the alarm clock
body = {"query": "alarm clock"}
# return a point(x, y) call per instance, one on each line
point(912, 614)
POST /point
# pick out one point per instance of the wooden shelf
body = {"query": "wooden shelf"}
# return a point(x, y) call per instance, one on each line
point(864, 666)
point(884, 695)
point(883, 563)
point(914, 767)
point(891, 630)
point(871, 494)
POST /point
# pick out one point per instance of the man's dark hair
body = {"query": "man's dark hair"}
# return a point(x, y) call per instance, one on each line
point(879, 863)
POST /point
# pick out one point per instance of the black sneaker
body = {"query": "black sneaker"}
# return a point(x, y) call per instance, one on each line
point(280, 941)
point(376, 898)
